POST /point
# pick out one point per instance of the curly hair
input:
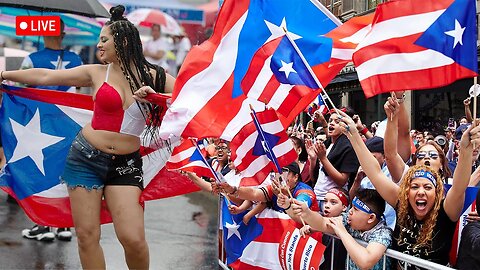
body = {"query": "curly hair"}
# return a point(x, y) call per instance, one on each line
point(405, 213)
point(445, 171)
point(135, 67)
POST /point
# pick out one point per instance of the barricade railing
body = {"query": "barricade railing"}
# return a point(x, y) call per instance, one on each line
point(408, 259)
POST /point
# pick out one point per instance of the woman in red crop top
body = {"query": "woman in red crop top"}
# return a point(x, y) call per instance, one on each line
point(104, 159)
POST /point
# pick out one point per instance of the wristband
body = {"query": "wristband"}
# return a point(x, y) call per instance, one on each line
point(364, 131)
point(235, 192)
point(285, 209)
point(401, 99)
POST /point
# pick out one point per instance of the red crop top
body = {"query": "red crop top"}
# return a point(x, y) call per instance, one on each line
point(108, 113)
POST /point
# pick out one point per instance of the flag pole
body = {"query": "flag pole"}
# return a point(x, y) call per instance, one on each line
point(475, 89)
point(475, 99)
point(217, 180)
point(309, 68)
point(272, 156)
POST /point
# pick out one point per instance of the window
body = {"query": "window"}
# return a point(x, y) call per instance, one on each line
point(347, 5)
point(371, 4)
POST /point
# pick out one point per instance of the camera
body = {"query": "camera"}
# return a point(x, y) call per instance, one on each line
point(441, 140)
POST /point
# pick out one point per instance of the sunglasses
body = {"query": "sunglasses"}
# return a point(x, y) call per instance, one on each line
point(423, 154)
point(223, 148)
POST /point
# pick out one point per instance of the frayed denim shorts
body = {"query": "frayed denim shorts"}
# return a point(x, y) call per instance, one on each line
point(91, 168)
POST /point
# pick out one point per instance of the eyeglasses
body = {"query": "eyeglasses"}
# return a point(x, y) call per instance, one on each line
point(423, 154)
point(223, 148)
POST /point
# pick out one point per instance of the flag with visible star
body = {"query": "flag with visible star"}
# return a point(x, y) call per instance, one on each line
point(253, 152)
point(253, 246)
point(209, 100)
point(278, 76)
point(36, 136)
point(418, 45)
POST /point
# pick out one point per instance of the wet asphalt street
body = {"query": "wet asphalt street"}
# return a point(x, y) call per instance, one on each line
point(181, 233)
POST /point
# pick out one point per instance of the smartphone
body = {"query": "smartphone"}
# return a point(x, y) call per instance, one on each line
point(451, 122)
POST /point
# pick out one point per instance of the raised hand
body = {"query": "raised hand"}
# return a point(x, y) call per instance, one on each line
point(391, 107)
point(347, 124)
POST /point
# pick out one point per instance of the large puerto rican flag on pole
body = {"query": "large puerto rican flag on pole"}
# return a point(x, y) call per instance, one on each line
point(418, 45)
point(36, 137)
point(208, 99)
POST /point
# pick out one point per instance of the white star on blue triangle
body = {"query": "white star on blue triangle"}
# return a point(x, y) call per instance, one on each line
point(462, 48)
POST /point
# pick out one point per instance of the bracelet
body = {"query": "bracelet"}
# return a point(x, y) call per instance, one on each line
point(401, 99)
point(364, 130)
point(235, 191)
point(285, 209)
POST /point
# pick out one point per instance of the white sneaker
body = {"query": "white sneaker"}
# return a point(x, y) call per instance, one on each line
point(63, 234)
point(40, 233)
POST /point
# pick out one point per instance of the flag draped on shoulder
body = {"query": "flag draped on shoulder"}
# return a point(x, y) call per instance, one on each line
point(418, 45)
point(216, 83)
point(36, 137)
point(253, 151)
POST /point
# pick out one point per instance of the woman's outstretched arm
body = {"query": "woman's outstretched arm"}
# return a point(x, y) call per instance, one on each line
point(387, 189)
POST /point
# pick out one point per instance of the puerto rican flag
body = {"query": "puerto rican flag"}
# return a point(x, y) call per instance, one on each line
point(418, 45)
point(209, 100)
point(278, 76)
point(253, 246)
point(322, 107)
point(258, 245)
point(187, 157)
point(254, 155)
point(36, 138)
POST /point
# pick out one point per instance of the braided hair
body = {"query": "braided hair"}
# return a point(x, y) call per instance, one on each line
point(135, 67)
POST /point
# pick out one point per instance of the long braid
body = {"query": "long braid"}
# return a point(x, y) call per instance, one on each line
point(136, 68)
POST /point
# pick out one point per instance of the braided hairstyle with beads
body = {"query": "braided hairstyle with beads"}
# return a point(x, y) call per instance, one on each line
point(135, 67)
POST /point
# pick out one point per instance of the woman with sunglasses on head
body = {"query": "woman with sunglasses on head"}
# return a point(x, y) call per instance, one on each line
point(426, 216)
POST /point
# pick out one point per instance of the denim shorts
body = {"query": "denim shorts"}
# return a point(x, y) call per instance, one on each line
point(90, 168)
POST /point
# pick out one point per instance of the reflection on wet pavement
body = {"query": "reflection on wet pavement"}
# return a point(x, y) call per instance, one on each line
point(181, 233)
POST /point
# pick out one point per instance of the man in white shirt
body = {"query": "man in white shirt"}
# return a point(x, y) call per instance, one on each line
point(155, 50)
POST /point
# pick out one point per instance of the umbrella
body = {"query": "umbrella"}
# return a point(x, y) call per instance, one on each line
point(88, 8)
point(148, 17)
point(11, 59)
point(79, 30)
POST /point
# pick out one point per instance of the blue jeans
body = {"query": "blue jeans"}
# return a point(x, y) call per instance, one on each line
point(91, 168)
